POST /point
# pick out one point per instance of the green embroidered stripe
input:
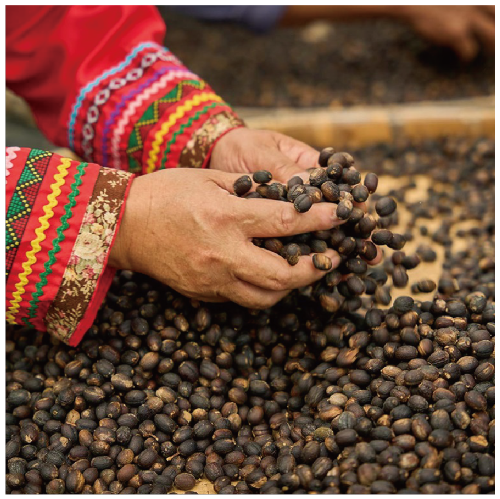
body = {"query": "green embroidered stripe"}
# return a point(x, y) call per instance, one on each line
point(186, 125)
point(60, 237)
point(135, 166)
point(150, 115)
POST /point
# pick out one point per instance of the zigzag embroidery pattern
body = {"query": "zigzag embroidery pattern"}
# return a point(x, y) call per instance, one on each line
point(10, 156)
point(40, 233)
point(135, 104)
point(178, 114)
point(85, 90)
point(173, 95)
point(110, 121)
point(60, 237)
point(22, 202)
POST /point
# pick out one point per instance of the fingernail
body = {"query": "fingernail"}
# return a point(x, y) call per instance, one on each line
point(335, 260)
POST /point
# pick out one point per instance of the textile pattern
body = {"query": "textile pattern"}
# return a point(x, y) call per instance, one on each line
point(62, 217)
point(143, 114)
point(22, 201)
point(86, 265)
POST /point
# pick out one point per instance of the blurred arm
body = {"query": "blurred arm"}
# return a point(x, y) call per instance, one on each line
point(463, 28)
point(298, 15)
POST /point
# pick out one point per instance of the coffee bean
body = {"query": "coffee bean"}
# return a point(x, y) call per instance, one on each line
point(262, 177)
point(344, 209)
point(317, 177)
point(385, 206)
point(371, 182)
point(303, 203)
point(242, 185)
point(325, 155)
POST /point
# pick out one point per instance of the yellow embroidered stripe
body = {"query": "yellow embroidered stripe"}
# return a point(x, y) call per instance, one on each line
point(40, 233)
point(178, 114)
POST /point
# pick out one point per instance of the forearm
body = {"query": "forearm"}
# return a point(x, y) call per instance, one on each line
point(100, 82)
point(61, 220)
point(298, 15)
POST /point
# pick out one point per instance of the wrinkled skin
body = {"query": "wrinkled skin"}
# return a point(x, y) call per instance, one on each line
point(185, 228)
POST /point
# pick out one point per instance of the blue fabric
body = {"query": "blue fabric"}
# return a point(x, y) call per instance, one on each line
point(260, 18)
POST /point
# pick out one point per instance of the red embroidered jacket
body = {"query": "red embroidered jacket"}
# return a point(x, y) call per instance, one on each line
point(98, 81)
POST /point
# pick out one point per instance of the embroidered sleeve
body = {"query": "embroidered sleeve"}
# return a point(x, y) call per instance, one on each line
point(113, 93)
point(61, 220)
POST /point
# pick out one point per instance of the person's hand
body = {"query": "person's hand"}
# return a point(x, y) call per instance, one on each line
point(461, 27)
point(245, 151)
point(184, 228)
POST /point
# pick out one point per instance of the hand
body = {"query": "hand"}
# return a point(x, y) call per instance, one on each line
point(245, 151)
point(184, 228)
point(460, 27)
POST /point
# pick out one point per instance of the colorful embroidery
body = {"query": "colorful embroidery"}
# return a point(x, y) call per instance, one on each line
point(136, 131)
point(176, 95)
point(89, 254)
point(59, 239)
point(194, 154)
point(10, 156)
point(93, 113)
point(22, 202)
point(124, 100)
point(133, 106)
point(40, 237)
point(151, 117)
point(105, 94)
point(85, 90)
point(181, 129)
point(179, 112)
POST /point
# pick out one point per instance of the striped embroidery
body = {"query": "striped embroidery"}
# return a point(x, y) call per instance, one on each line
point(22, 202)
point(151, 116)
point(105, 94)
point(119, 129)
point(172, 119)
point(59, 239)
point(40, 237)
point(196, 116)
point(85, 90)
point(125, 99)
point(10, 156)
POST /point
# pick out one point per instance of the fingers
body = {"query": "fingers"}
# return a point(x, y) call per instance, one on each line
point(488, 9)
point(276, 274)
point(302, 154)
point(267, 218)
point(226, 180)
point(284, 168)
point(360, 205)
point(377, 259)
point(251, 296)
point(484, 27)
point(465, 46)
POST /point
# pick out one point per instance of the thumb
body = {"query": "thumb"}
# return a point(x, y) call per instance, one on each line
point(283, 168)
point(466, 48)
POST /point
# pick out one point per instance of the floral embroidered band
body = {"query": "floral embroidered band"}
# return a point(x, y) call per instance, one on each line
point(88, 258)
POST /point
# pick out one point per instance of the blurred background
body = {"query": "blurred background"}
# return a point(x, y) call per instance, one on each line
point(274, 57)
point(372, 60)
